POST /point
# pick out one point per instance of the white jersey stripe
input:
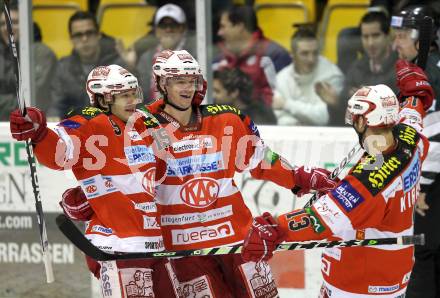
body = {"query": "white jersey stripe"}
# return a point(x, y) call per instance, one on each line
point(128, 244)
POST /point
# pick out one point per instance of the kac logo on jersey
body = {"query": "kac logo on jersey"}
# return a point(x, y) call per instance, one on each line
point(148, 181)
point(347, 196)
point(200, 192)
point(411, 174)
point(139, 154)
point(89, 187)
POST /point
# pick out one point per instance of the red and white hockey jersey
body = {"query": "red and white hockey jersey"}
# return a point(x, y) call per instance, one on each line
point(199, 203)
point(375, 200)
point(115, 166)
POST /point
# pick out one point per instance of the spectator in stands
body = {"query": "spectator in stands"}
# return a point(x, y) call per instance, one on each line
point(377, 64)
point(88, 52)
point(233, 87)
point(44, 64)
point(171, 31)
point(245, 47)
point(306, 88)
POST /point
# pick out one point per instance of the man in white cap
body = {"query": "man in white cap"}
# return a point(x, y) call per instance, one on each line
point(170, 28)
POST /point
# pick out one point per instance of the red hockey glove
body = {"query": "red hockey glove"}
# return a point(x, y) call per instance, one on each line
point(32, 126)
point(412, 81)
point(75, 204)
point(263, 237)
point(311, 178)
point(200, 95)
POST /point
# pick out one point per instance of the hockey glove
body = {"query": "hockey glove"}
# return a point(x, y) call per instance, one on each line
point(412, 81)
point(32, 126)
point(262, 239)
point(75, 204)
point(311, 178)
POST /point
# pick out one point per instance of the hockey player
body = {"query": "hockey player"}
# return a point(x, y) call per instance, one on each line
point(375, 200)
point(199, 203)
point(115, 168)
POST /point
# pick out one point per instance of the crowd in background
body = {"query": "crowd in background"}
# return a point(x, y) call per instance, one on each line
point(275, 85)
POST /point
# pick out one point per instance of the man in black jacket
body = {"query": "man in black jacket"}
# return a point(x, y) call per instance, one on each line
point(90, 49)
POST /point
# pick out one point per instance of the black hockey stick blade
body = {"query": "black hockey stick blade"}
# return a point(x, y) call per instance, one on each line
point(69, 229)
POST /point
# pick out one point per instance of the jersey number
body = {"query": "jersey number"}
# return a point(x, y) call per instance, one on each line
point(298, 220)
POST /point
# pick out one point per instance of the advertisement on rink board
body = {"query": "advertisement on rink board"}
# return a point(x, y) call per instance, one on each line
point(19, 240)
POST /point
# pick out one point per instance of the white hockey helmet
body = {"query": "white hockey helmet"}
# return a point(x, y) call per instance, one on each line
point(110, 80)
point(169, 64)
point(378, 104)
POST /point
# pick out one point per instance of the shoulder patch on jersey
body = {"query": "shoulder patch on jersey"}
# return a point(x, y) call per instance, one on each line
point(149, 120)
point(376, 172)
point(86, 112)
point(347, 196)
point(407, 134)
point(214, 109)
point(69, 124)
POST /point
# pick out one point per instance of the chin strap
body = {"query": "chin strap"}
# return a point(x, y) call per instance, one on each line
point(360, 136)
point(175, 106)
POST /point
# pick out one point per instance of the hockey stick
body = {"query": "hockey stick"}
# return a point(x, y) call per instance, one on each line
point(69, 230)
point(425, 36)
point(30, 154)
point(335, 173)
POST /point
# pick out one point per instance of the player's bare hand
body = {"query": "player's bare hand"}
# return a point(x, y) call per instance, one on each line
point(421, 205)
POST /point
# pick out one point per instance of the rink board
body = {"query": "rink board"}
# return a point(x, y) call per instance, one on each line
point(22, 273)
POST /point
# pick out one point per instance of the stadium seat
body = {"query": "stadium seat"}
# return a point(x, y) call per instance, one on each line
point(53, 19)
point(339, 14)
point(82, 4)
point(309, 4)
point(276, 19)
point(126, 21)
point(105, 2)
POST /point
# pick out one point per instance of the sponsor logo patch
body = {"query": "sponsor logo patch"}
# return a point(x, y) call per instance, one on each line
point(191, 145)
point(347, 196)
point(101, 229)
point(196, 217)
point(146, 207)
point(197, 287)
point(137, 282)
point(201, 234)
point(204, 163)
point(411, 174)
point(200, 192)
point(150, 223)
point(139, 154)
point(134, 135)
point(383, 289)
point(316, 223)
